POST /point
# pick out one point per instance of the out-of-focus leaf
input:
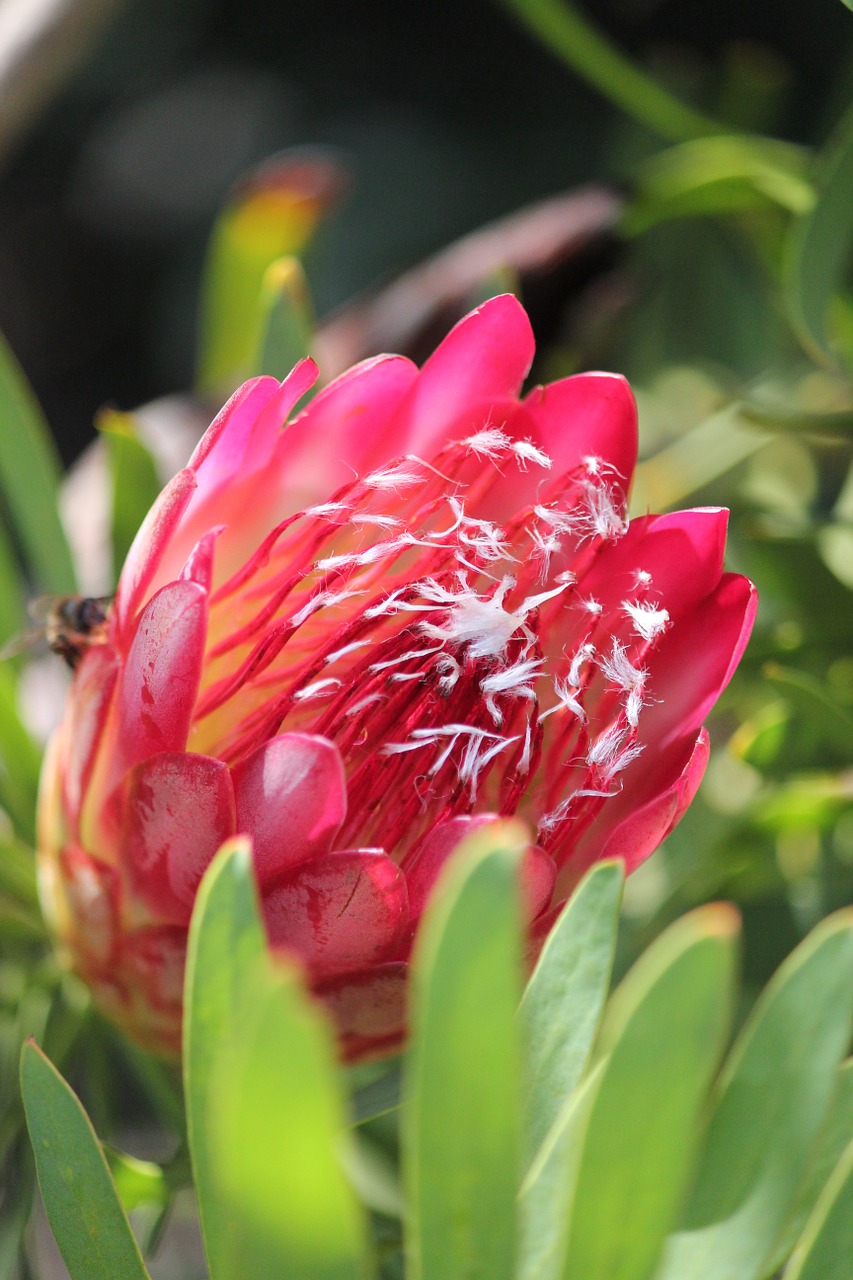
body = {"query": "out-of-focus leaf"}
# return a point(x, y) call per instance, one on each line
point(546, 1193)
point(772, 1100)
point(832, 423)
point(373, 1176)
point(562, 28)
point(29, 477)
point(804, 803)
point(19, 760)
point(810, 698)
point(563, 1002)
point(287, 318)
point(138, 1182)
point(12, 612)
point(663, 1035)
point(273, 213)
point(759, 740)
point(268, 1107)
point(719, 175)
point(377, 1098)
point(461, 1120)
point(277, 1119)
point(835, 1137)
point(80, 1199)
point(826, 1249)
point(19, 1184)
point(693, 461)
point(134, 479)
point(224, 947)
point(818, 250)
point(18, 871)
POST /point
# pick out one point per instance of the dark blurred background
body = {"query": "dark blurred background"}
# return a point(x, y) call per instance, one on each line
point(446, 113)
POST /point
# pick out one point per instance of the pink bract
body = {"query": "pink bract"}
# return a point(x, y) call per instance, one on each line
point(417, 607)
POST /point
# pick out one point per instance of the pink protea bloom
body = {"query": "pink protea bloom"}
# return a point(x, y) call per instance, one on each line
point(417, 607)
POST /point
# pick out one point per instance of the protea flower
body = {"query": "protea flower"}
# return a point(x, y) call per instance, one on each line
point(418, 606)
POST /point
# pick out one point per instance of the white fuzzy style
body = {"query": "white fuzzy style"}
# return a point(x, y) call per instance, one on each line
point(649, 619)
point(491, 443)
point(317, 690)
point(526, 451)
point(620, 670)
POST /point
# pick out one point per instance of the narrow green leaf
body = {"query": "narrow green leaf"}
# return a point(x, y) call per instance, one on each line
point(377, 1098)
point(461, 1120)
point(18, 871)
point(83, 1208)
point(137, 1182)
point(266, 1112)
point(563, 1002)
point(225, 941)
point(29, 479)
point(835, 1136)
point(287, 318)
point(818, 251)
point(662, 1037)
point(561, 26)
point(13, 614)
point(20, 761)
point(773, 1096)
point(826, 1249)
point(134, 480)
point(18, 1175)
point(273, 213)
point(547, 1191)
point(719, 175)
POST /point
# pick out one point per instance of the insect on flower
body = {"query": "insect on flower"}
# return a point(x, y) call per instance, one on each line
point(359, 632)
point(70, 625)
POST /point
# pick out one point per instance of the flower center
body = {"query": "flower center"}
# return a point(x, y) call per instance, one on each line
point(450, 658)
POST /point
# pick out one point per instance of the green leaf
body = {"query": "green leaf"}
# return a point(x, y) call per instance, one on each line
point(377, 1098)
point(18, 871)
point(137, 1182)
point(564, 999)
point(818, 250)
point(772, 1098)
point(287, 319)
point(273, 213)
point(266, 1112)
point(29, 480)
point(15, 1210)
point(13, 615)
point(563, 29)
point(719, 175)
point(461, 1119)
point(134, 480)
point(826, 1249)
point(20, 761)
point(83, 1208)
point(224, 946)
point(547, 1191)
point(835, 1136)
point(664, 1031)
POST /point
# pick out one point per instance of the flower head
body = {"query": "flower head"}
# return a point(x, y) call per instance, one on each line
point(417, 607)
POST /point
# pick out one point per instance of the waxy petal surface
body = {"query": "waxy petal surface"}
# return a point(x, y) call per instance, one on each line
point(484, 358)
point(341, 912)
point(161, 675)
point(587, 415)
point(147, 551)
point(178, 809)
point(369, 1009)
point(291, 799)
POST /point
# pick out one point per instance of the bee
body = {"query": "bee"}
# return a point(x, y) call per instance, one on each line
point(69, 624)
